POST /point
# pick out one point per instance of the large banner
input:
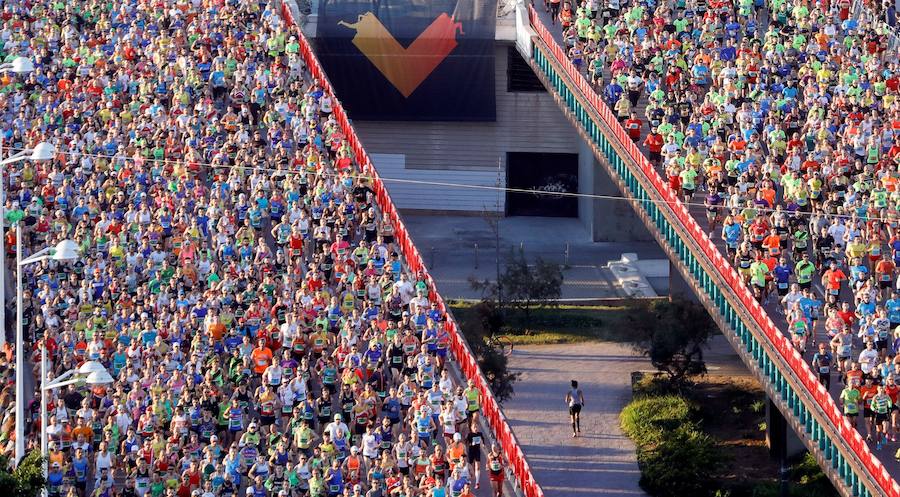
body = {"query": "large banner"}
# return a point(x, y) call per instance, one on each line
point(419, 60)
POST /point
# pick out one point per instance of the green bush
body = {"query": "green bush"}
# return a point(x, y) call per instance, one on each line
point(646, 419)
point(26, 480)
point(810, 479)
point(683, 463)
point(676, 458)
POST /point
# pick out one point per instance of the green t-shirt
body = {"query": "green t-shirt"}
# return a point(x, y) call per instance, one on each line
point(805, 271)
point(759, 270)
point(688, 178)
point(14, 216)
point(157, 489)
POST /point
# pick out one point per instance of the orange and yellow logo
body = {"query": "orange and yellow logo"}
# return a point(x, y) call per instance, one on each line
point(406, 68)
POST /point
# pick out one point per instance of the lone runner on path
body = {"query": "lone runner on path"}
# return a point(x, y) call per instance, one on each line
point(575, 401)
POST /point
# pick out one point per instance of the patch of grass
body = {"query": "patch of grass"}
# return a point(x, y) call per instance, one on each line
point(675, 456)
point(645, 419)
point(758, 406)
point(564, 323)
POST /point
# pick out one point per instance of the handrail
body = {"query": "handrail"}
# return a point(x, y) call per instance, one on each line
point(780, 342)
point(465, 358)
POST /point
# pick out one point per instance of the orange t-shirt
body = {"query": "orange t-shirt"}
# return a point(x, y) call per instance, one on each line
point(885, 268)
point(866, 394)
point(216, 330)
point(833, 279)
point(261, 358)
point(85, 431)
point(456, 452)
point(773, 243)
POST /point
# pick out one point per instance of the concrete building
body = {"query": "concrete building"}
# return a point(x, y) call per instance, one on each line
point(465, 167)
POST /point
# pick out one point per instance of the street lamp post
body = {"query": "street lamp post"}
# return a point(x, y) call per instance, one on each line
point(19, 65)
point(66, 250)
point(91, 373)
point(42, 152)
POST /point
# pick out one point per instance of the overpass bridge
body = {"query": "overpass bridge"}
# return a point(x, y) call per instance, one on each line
point(792, 386)
point(790, 383)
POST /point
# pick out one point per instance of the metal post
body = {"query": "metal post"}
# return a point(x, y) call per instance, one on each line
point(476, 255)
point(500, 214)
point(43, 381)
point(20, 354)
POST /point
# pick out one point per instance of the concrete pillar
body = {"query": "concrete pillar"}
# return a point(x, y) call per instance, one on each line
point(609, 219)
point(679, 288)
point(779, 434)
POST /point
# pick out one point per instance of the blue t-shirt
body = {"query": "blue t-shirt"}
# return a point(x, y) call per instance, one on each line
point(893, 310)
point(866, 308)
point(810, 307)
point(782, 274)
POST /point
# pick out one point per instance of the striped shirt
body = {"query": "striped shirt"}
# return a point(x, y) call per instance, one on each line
point(881, 403)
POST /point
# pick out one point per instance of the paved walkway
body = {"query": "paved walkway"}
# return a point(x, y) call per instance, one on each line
point(602, 461)
point(457, 248)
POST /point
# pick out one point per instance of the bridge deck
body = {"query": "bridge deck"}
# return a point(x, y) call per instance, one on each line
point(886, 454)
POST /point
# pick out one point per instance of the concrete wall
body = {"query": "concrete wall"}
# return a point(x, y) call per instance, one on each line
point(474, 153)
point(526, 122)
point(432, 189)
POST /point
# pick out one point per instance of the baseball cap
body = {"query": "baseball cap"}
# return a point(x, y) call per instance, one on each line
point(457, 437)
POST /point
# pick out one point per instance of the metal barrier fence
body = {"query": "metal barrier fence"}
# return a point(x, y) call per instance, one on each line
point(460, 349)
point(850, 437)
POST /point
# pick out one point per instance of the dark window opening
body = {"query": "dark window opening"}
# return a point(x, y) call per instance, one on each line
point(547, 177)
point(519, 76)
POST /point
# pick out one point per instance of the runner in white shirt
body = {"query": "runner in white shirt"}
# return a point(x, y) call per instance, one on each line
point(868, 358)
point(791, 298)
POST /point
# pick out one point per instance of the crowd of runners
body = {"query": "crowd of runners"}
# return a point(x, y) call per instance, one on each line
point(780, 122)
point(237, 279)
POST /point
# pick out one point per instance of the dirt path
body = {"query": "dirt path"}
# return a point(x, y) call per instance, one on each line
point(602, 460)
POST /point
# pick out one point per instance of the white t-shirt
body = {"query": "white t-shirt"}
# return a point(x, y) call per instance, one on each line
point(867, 360)
point(370, 445)
point(104, 460)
